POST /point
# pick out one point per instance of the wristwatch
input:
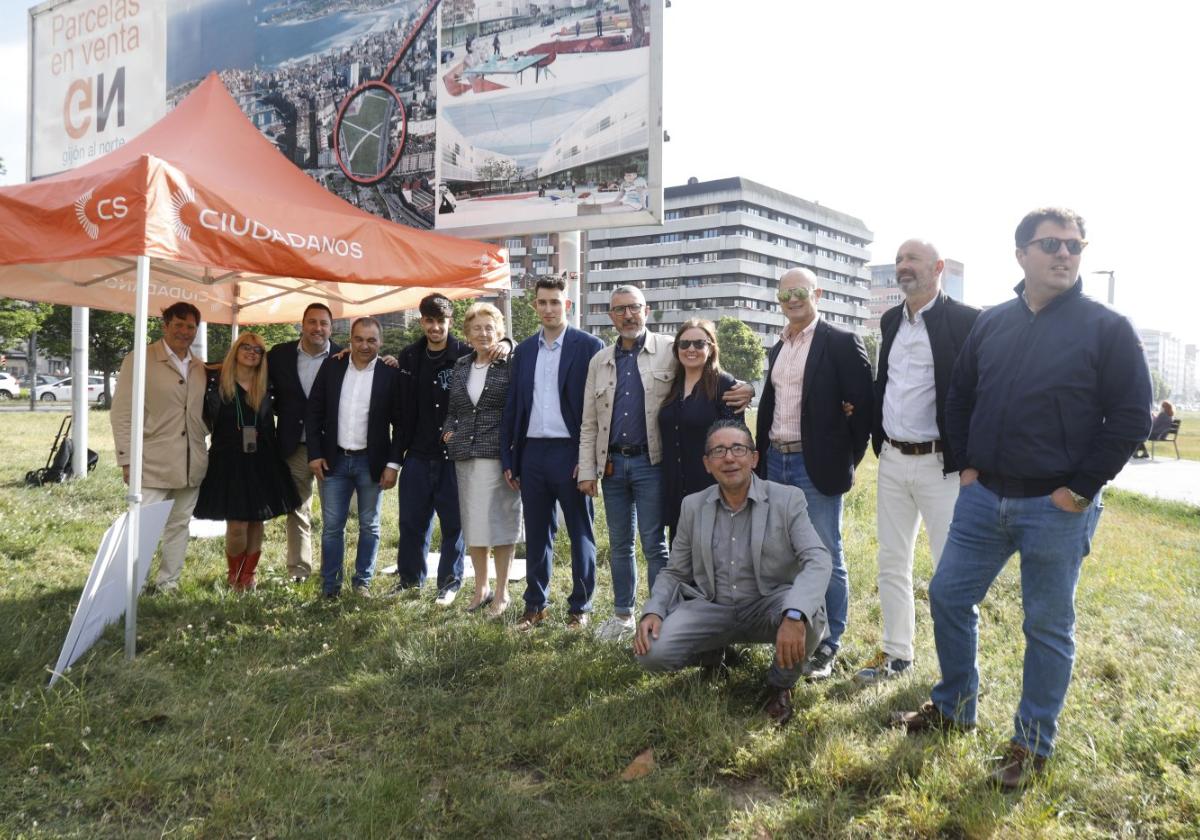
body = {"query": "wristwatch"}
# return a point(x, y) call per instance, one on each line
point(1081, 502)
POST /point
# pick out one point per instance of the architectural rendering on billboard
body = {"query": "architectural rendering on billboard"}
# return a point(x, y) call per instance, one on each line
point(550, 125)
point(552, 109)
point(96, 78)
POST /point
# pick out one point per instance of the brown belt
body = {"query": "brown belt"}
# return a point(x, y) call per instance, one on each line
point(917, 448)
point(788, 448)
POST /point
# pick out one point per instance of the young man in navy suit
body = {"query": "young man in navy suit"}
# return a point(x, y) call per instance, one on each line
point(539, 451)
point(292, 367)
point(353, 431)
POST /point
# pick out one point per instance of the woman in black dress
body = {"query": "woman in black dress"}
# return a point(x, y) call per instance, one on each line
point(247, 481)
point(693, 404)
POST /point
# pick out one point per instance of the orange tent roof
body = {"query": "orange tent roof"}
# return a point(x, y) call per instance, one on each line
point(230, 225)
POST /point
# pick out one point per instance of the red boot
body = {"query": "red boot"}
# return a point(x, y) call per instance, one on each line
point(246, 581)
point(234, 562)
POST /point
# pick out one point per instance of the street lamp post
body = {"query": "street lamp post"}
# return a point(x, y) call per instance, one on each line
point(1112, 285)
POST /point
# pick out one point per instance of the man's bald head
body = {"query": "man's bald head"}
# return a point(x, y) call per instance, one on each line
point(800, 307)
point(918, 272)
point(794, 277)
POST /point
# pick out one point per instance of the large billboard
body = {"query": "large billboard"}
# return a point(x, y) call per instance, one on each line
point(477, 117)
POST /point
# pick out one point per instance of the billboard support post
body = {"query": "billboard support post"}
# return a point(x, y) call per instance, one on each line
point(568, 260)
point(79, 389)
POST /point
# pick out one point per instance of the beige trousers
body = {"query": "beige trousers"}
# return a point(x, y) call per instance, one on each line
point(173, 545)
point(299, 521)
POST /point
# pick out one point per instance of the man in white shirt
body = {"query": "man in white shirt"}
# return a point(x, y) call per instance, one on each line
point(175, 454)
point(918, 479)
point(353, 436)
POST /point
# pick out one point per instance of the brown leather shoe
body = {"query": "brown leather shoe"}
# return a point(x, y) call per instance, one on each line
point(928, 718)
point(779, 705)
point(1017, 767)
point(532, 618)
point(577, 621)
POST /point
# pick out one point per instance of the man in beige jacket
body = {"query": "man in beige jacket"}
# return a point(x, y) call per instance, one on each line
point(174, 453)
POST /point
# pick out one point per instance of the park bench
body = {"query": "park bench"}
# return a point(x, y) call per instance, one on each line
point(1171, 437)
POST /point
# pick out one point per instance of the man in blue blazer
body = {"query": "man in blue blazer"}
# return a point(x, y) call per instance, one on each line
point(353, 434)
point(292, 367)
point(814, 422)
point(539, 451)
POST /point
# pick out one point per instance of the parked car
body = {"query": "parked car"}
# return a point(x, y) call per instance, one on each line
point(61, 390)
point(9, 387)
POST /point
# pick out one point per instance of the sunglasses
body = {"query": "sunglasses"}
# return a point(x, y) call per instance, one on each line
point(253, 348)
point(1051, 244)
point(692, 343)
point(799, 293)
point(739, 450)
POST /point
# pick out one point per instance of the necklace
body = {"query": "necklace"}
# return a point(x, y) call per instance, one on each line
point(437, 355)
point(480, 367)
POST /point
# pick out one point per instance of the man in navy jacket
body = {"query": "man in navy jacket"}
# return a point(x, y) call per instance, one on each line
point(1049, 399)
point(814, 423)
point(539, 451)
point(353, 426)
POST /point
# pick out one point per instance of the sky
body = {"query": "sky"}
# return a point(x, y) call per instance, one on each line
point(941, 120)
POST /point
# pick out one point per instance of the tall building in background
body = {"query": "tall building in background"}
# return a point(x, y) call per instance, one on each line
point(719, 253)
point(885, 293)
point(1165, 356)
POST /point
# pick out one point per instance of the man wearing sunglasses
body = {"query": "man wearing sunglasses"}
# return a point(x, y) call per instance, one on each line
point(1048, 400)
point(814, 422)
point(918, 479)
point(620, 448)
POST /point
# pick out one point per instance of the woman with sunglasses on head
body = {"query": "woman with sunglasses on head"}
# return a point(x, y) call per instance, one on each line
point(247, 481)
point(692, 405)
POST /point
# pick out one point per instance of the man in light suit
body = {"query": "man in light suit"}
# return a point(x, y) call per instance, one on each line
point(814, 422)
point(746, 566)
point(175, 454)
point(353, 437)
point(539, 451)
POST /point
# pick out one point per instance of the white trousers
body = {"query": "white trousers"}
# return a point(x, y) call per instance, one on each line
point(173, 546)
point(910, 488)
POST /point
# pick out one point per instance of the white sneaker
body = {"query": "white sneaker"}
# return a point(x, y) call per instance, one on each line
point(616, 629)
point(446, 597)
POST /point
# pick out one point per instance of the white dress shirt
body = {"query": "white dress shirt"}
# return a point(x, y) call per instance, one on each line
point(181, 365)
point(355, 406)
point(910, 398)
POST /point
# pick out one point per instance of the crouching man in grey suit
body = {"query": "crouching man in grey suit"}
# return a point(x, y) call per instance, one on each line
point(746, 566)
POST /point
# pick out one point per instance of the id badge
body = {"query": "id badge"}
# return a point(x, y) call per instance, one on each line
point(249, 439)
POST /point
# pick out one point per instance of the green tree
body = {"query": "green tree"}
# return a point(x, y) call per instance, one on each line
point(219, 337)
point(525, 320)
point(742, 352)
point(110, 338)
point(1161, 389)
point(871, 340)
point(18, 319)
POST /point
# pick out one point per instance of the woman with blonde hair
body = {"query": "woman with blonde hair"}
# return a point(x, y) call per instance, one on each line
point(247, 481)
point(490, 509)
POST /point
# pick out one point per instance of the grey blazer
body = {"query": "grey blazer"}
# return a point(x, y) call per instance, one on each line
point(787, 552)
point(476, 426)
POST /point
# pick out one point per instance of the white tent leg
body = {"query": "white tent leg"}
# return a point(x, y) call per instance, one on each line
point(79, 394)
point(133, 525)
point(568, 263)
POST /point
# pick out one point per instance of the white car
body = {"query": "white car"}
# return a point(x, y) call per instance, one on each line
point(9, 387)
point(61, 390)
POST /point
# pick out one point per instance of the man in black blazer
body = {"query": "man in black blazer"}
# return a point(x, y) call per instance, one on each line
point(918, 478)
point(814, 422)
point(353, 431)
point(539, 451)
point(292, 368)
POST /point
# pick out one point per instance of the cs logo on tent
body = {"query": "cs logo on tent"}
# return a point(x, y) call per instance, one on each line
point(107, 209)
point(179, 199)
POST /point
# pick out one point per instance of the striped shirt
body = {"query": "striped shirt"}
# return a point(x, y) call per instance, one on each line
point(787, 376)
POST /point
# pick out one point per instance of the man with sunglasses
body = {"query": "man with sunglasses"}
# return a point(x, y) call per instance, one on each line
point(1048, 400)
point(746, 566)
point(814, 422)
point(619, 443)
point(918, 478)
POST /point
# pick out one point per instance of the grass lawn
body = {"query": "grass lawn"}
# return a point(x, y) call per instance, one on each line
point(1189, 438)
point(275, 715)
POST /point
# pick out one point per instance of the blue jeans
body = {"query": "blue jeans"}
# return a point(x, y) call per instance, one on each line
point(633, 499)
point(351, 475)
point(428, 486)
point(825, 513)
point(986, 531)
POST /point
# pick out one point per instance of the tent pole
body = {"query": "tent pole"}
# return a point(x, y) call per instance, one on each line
point(133, 522)
point(233, 325)
point(79, 390)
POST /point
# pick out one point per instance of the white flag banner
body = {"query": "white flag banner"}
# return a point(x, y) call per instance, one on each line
point(103, 600)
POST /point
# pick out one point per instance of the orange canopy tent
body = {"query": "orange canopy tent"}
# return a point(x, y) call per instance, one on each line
point(202, 208)
point(228, 223)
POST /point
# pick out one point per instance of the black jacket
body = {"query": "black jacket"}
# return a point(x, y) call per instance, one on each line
point(383, 415)
point(947, 323)
point(412, 406)
point(291, 402)
point(1062, 395)
point(837, 371)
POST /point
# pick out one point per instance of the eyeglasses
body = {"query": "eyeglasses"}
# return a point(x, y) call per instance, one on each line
point(801, 293)
point(1051, 244)
point(627, 309)
point(692, 343)
point(739, 450)
point(253, 348)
